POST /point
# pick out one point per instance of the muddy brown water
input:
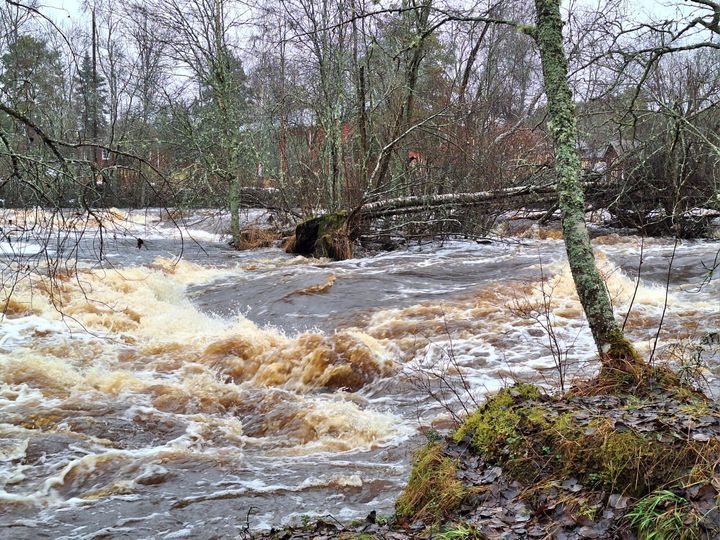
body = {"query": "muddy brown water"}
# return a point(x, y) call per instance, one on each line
point(189, 399)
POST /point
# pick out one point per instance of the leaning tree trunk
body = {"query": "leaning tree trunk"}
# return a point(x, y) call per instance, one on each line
point(234, 207)
point(615, 350)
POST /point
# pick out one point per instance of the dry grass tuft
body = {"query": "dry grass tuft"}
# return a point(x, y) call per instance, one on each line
point(433, 491)
point(288, 244)
point(256, 237)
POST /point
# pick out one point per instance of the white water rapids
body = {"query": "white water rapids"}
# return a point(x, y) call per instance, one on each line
point(157, 398)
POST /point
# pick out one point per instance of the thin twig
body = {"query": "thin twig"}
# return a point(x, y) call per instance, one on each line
point(667, 290)
point(637, 282)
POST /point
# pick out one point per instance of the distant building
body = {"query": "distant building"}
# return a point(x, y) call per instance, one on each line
point(415, 159)
point(602, 159)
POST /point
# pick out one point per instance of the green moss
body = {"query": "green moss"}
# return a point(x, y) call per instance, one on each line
point(634, 402)
point(536, 415)
point(622, 354)
point(496, 423)
point(624, 461)
point(491, 425)
point(695, 406)
point(528, 30)
point(433, 491)
point(587, 511)
point(460, 532)
point(529, 439)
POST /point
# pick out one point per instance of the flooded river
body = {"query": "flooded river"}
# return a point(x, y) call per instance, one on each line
point(157, 397)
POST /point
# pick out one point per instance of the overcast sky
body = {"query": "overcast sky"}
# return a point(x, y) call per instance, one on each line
point(61, 8)
point(658, 9)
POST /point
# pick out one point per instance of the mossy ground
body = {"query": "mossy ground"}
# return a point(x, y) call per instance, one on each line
point(580, 454)
point(433, 490)
point(639, 462)
point(531, 439)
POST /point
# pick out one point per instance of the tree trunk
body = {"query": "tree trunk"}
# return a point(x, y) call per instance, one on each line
point(615, 350)
point(234, 207)
point(405, 113)
point(419, 203)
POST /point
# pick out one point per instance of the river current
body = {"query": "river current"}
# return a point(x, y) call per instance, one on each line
point(159, 396)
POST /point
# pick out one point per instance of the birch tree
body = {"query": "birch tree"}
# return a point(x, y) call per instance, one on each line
point(615, 350)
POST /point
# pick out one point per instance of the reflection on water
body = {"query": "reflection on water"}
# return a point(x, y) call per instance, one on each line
point(162, 398)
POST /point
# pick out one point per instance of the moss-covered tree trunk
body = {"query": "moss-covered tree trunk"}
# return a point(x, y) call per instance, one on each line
point(615, 351)
point(234, 207)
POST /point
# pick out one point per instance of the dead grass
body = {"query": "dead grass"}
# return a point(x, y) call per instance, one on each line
point(288, 244)
point(338, 245)
point(638, 380)
point(11, 308)
point(256, 237)
point(433, 491)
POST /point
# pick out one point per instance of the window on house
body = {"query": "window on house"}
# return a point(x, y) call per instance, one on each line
point(104, 155)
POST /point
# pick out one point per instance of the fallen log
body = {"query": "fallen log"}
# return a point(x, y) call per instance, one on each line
point(329, 235)
point(418, 203)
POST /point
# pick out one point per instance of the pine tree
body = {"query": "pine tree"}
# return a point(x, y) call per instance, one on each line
point(31, 76)
point(90, 101)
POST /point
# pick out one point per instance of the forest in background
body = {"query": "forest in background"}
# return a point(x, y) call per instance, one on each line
point(313, 106)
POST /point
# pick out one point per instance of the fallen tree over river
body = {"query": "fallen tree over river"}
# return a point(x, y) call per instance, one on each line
point(419, 203)
point(332, 234)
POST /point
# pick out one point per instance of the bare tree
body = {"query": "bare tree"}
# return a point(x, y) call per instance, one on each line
point(199, 36)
